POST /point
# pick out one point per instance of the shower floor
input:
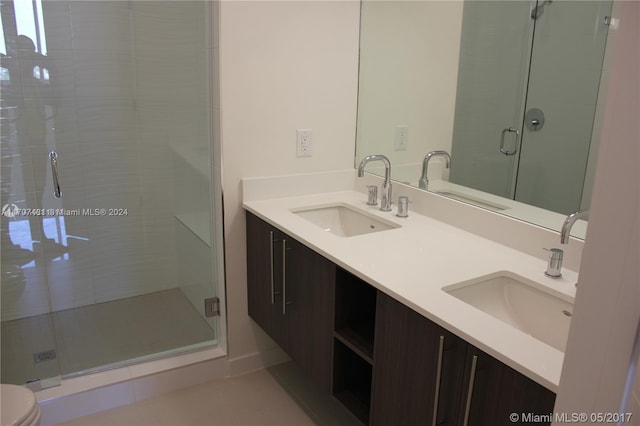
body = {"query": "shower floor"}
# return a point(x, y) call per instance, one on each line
point(99, 335)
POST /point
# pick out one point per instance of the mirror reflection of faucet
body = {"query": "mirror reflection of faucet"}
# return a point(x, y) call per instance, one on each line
point(423, 183)
point(385, 198)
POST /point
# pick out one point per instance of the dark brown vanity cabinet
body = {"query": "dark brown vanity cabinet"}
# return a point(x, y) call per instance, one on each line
point(290, 295)
point(383, 361)
point(493, 391)
point(419, 369)
point(354, 325)
point(425, 375)
point(264, 282)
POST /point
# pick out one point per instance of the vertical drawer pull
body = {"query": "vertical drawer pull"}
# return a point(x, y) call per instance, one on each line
point(438, 378)
point(472, 379)
point(271, 241)
point(284, 277)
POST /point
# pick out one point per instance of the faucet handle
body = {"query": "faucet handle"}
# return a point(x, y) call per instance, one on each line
point(373, 195)
point(403, 206)
point(554, 266)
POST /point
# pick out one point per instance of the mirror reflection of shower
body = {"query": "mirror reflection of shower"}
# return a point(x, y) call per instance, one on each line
point(541, 82)
point(537, 10)
point(454, 75)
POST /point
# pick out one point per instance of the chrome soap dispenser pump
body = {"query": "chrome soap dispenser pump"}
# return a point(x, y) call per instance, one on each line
point(554, 266)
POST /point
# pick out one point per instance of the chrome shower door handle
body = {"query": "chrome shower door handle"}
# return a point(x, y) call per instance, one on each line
point(53, 156)
point(505, 131)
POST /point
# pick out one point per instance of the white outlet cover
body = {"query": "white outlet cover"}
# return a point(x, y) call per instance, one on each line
point(304, 142)
point(401, 140)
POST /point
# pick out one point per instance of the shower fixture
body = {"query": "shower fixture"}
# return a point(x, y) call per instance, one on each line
point(537, 10)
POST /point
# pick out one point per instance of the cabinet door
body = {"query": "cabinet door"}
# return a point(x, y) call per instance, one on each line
point(417, 368)
point(309, 292)
point(498, 391)
point(264, 277)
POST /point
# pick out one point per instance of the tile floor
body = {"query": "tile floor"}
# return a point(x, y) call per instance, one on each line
point(280, 395)
point(97, 335)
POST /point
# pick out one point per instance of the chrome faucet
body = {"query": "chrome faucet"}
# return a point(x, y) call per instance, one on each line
point(385, 198)
point(568, 224)
point(554, 265)
point(423, 183)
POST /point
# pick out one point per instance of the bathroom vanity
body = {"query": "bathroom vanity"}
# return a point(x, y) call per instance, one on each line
point(370, 319)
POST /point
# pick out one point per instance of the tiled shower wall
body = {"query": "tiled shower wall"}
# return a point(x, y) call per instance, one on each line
point(127, 92)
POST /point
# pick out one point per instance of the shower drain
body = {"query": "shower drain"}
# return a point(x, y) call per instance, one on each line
point(43, 356)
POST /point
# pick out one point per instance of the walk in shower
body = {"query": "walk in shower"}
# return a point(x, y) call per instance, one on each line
point(110, 200)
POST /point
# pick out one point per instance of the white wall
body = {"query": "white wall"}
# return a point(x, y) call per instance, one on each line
point(408, 76)
point(283, 66)
point(608, 299)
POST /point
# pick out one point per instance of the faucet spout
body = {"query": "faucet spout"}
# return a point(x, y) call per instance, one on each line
point(568, 224)
point(423, 183)
point(385, 199)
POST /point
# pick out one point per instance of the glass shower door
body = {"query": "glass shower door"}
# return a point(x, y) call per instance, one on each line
point(492, 76)
point(566, 64)
point(30, 237)
point(121, 92)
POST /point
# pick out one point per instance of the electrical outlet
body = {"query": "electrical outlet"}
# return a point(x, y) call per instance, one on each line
point(402, 137)
point(304, 143)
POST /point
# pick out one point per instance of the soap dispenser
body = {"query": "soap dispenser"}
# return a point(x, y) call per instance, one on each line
point(554, 266)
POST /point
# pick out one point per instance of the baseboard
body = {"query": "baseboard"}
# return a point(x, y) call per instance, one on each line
point(256, 361)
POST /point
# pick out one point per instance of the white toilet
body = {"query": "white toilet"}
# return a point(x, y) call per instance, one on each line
point(18, 406)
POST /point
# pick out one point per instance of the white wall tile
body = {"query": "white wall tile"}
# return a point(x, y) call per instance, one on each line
point(104, 74)
point(57, 25)
point(100, 26)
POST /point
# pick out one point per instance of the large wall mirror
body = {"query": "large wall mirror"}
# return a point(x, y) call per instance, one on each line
point(507, 89)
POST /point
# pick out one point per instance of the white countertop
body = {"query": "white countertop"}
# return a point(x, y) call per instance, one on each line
point(414, 262)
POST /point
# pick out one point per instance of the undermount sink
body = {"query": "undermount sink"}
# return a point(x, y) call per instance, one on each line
point(344, 220)
point(521, 303)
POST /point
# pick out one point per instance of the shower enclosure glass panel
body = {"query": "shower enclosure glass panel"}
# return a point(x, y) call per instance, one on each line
point(490, 97)
point(550, 60)
point(116, 269)
point(566, 64)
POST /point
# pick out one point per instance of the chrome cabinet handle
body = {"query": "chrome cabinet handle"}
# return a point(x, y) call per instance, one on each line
point(472, 379)
point(438, 379)
point(284, 277)
point(271, 241)
point(509, 130)
point(53, 156)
